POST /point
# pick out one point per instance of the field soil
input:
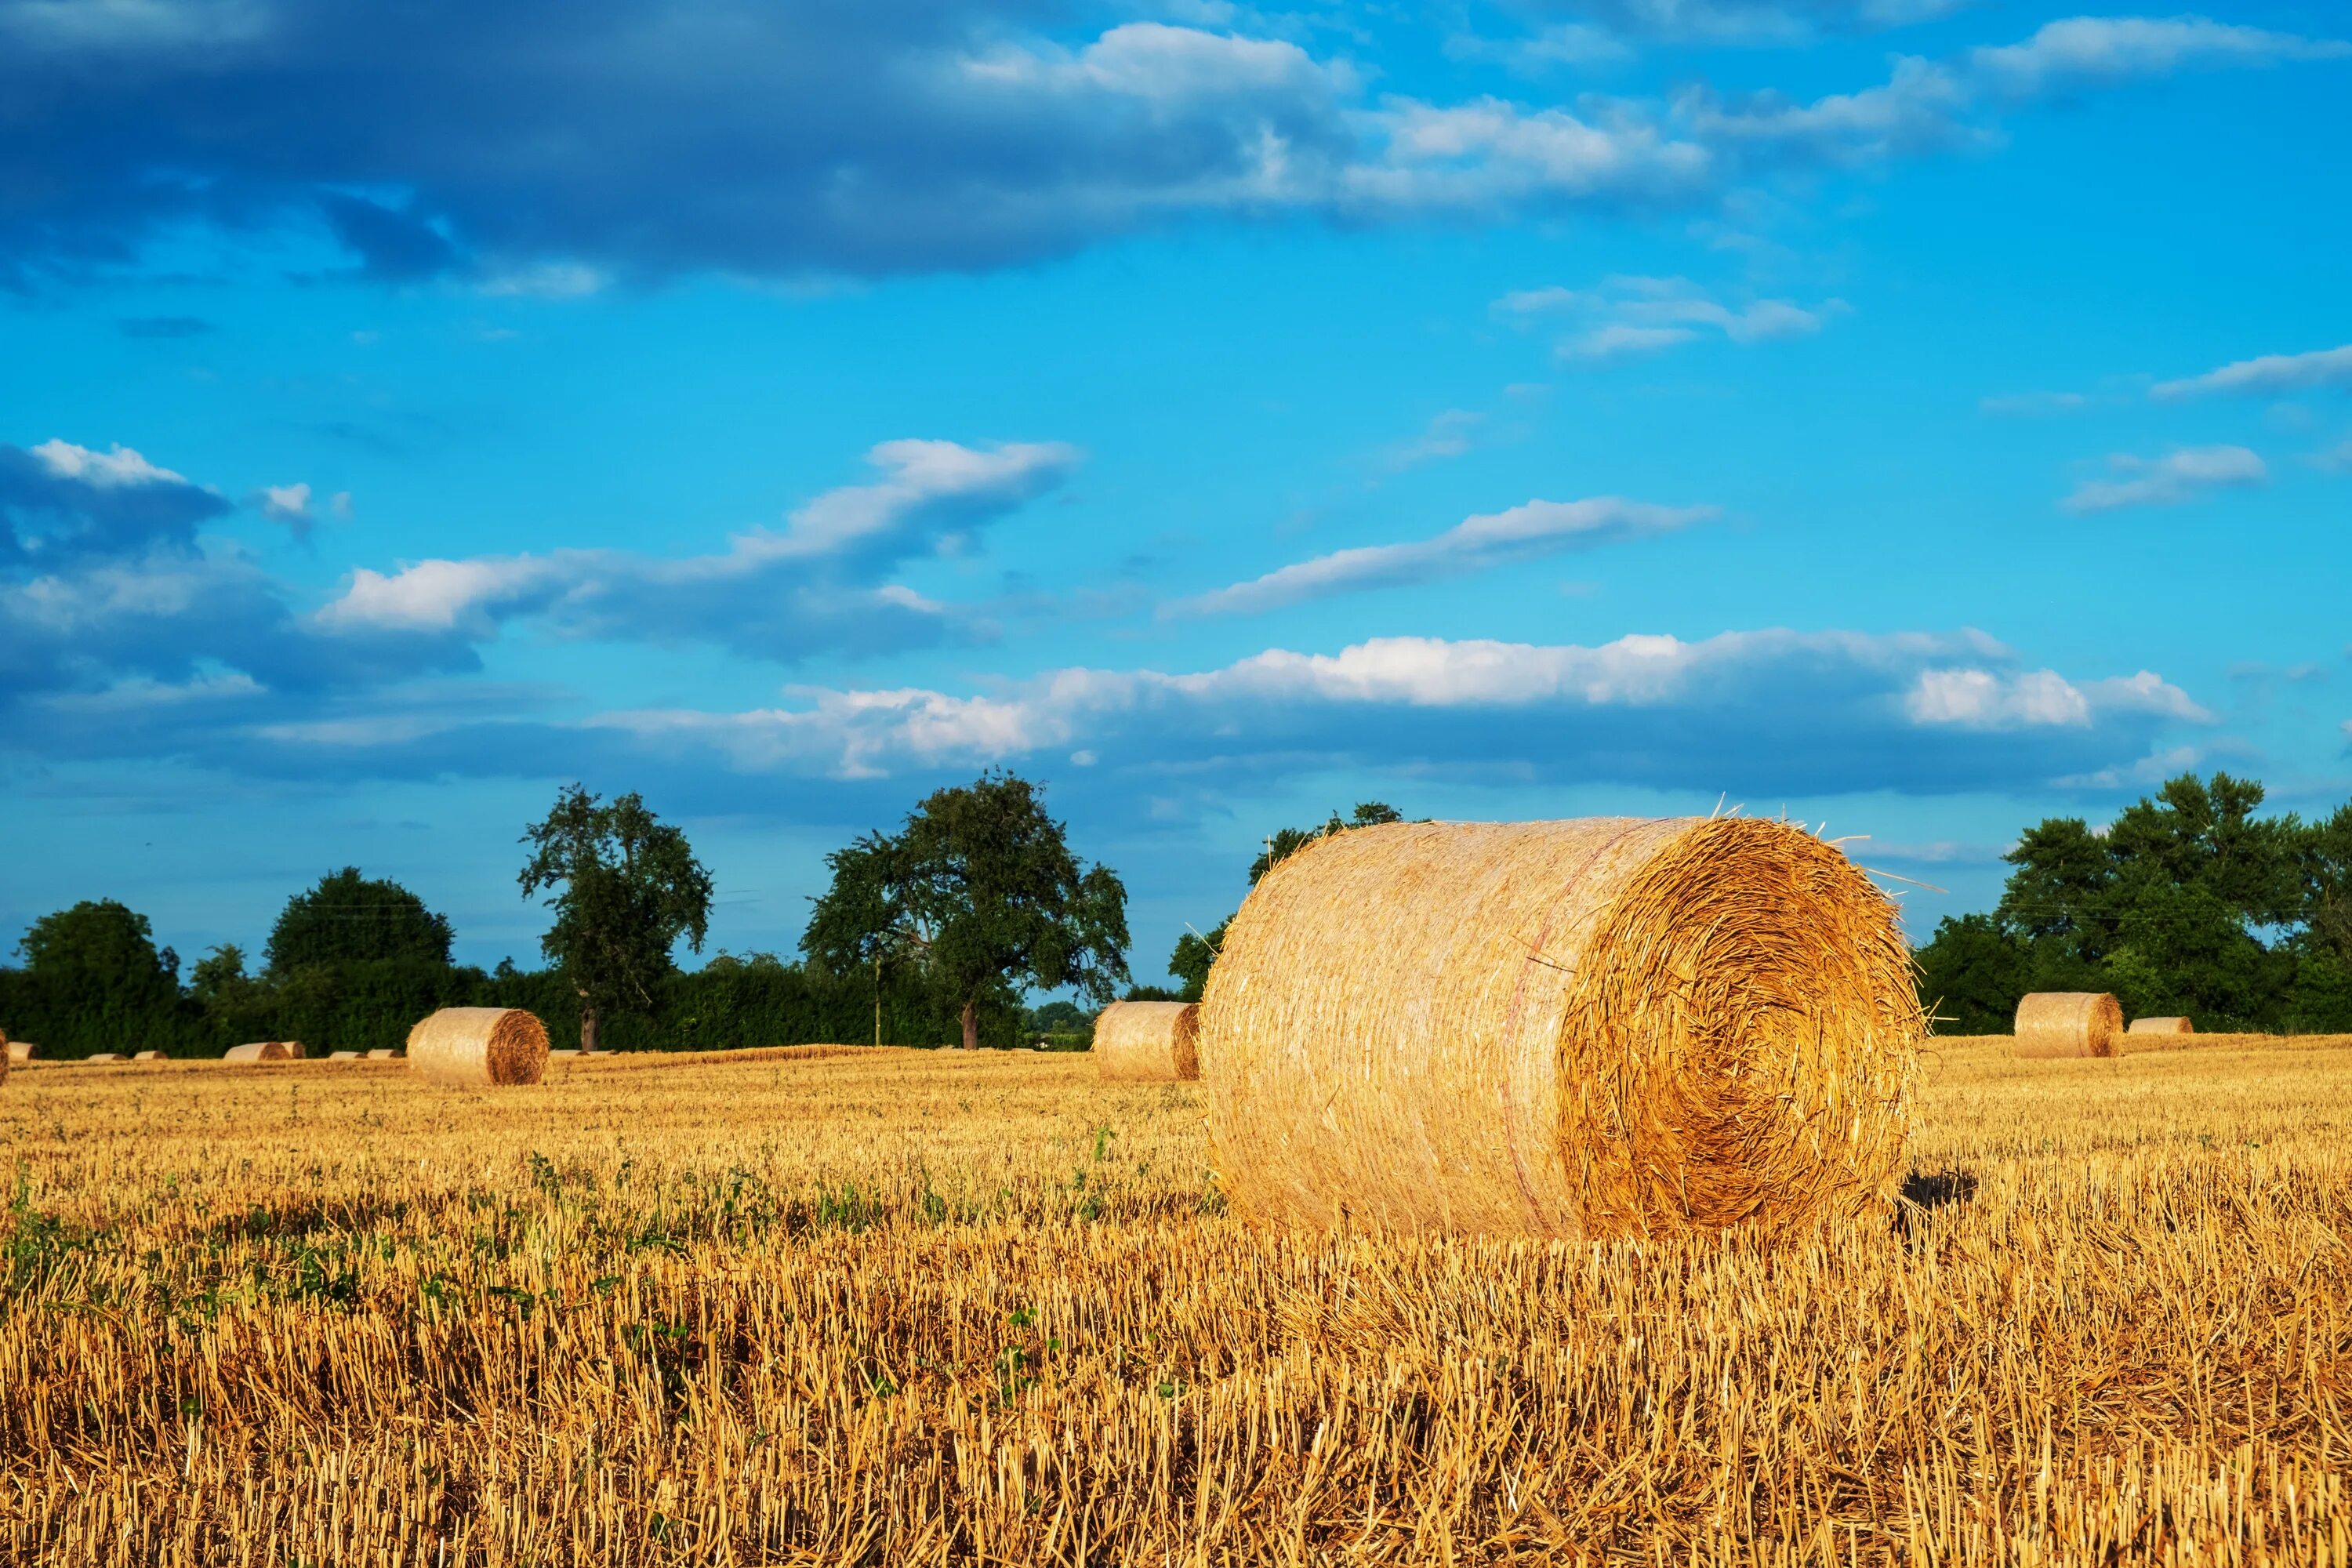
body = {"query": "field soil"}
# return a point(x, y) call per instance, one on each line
point(932, 1307)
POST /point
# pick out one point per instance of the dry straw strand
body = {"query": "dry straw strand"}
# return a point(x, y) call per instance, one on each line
point(1148, 1042)
point(1602, 1027)
point(2069, 1023)
point(2160, 1026)
point(478, 1047)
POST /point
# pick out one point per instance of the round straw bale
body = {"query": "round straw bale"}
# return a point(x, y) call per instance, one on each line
point(2160, 1026)
point(1591, 1029)
point(149, 1057)
point(22, 1051)
point(343, 1057)
point(384, 1054)
point(104, 1056)
point(478, 1046)
point(1148, 1042)
point(260, 1051)
point(2069, 1023)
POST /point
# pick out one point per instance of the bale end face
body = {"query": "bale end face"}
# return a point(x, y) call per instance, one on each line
point(478, 1047)
point(2059, 1024)
point(1148, 1042)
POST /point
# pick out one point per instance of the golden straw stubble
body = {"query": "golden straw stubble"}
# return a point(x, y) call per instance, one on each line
point(1148, 1042)
point(1602, 1027)
point(478, 1047)
point(2069, 1023)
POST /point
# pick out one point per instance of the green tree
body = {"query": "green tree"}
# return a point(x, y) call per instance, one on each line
point(351, 918)
point(625, 888)
point(1972, 974)
point(94, 981)
point(981, 893)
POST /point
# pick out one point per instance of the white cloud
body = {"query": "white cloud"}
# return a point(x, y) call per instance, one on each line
point(2269, 373)
point(1522, 532)
point(285, 503)
point(2182, 475)
point(117, 469)
point(1632, 315)
point(2087, 49)
point(1448, 434)
point(817, 582)
point(2155, 767)
point(1922, 711)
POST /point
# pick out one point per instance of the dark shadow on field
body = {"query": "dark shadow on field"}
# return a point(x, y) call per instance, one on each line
point(1925, 1192)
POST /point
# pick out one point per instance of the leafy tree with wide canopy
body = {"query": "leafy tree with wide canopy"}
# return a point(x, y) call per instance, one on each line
point(981, 893)
point(625, 888)
point(351, 918)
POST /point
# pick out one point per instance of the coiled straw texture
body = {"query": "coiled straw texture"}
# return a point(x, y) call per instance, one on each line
point(1148, 1042)
point(2069, 1023)
point(478, 1047)
point(1594, 1028)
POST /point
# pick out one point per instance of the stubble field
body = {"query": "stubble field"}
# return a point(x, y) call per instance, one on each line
point(915, 1307)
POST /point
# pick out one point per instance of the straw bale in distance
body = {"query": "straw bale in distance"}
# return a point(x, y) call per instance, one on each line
point(1590, 1028)
point(478, 1046)
point(344, 1057)
point(105, 1057)
point(258, 1052)
point(2160, 1026)
point(22, 1051)
point(384, 1054)
point(2069, 1023)
point(1148, 1042)
point(149, 1057)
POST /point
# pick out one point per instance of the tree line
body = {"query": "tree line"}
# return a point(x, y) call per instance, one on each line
point(931, 935)
point(2189, 903)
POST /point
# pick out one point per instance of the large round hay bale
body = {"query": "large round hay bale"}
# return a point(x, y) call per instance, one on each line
point(2160, 1026)
point(1591, 1028)
point(478, 1046)
point(258, 1052)
point(2069, 1023)
point(1148, 1042)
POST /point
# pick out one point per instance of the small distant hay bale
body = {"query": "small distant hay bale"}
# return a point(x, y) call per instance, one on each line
point(2052, 1024)
point(294, 1052)
point(384, 1054)
point(344, 1057)
point(478, 1047)
point(22, 1051)
point(1148, 1042)
point(105, 1057)
point(149, 1057)
point(258, 1052)
point(562, 1055)
point(1584, 1029)
point(2160, 1026)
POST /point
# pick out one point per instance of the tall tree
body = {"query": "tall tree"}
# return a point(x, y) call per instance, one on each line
point(981, 891)
point(625, 888)
point(349, 918)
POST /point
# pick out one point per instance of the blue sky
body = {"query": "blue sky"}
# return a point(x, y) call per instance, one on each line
point(1914, 416)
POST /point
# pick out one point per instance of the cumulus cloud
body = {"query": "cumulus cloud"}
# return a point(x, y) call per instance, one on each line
point(1766, 709)
point(703, 135)
point(2086, 50)
point(2185, 474)
point(288, 504)
point(1633, 315)
point(1524, 533)
point(1740, 22)
point(2269, 373)
point(817, 582)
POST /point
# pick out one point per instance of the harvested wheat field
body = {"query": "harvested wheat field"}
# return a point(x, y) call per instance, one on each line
point(929, 1306)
